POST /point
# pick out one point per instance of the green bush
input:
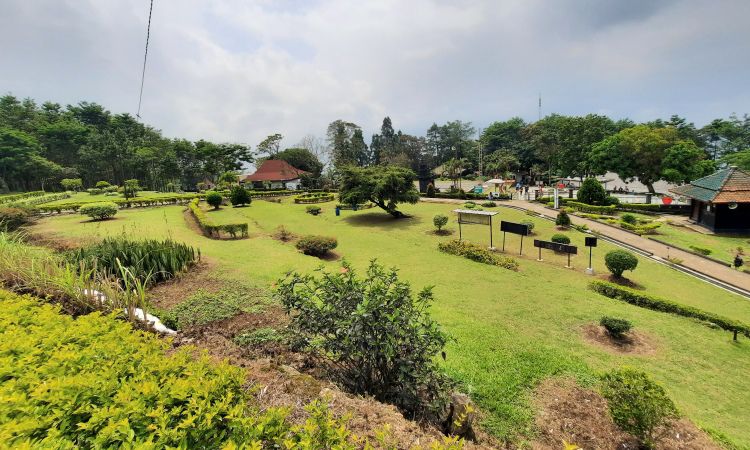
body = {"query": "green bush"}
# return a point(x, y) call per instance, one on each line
point(489, 204)
point(647, 228)
point(470, 205)
point(316, 245)
point(380, 338)
point(615, 327)
point(99, 210)
point(214, 199)
point(701, 250)
point(477, 253)
point(258, 337)
point(102, 184)
point(560, 239)
point(629, 218)
point(239, 196)
point(314, 210)
point(315, 197)
point(591, 209)
point(659, 304)
point(130, 188)
point(94, 191)
point(430, 191)
point(646, 207)
point(148, 260)
point(440, 220)
point(637, 404)
point(14, 217)
point(562, 220)
point(618, 261)
point(592, 192)
point(71, 184)
point(611, 200)
point(210, 228)
point(16, 197)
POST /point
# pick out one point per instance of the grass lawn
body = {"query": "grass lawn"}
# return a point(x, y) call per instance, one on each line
point(723, 247)
point(511, 329)
point(85, 197)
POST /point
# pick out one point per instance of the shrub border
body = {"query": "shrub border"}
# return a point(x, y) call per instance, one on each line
point(213, 230)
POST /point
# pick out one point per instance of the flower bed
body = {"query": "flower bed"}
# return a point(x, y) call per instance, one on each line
point(213, 230)
point(314, 197)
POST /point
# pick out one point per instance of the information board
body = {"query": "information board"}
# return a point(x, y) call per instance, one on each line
point(515, 228)
point(555, 246)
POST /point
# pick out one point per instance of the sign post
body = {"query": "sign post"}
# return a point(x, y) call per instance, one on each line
point(515, 228)
point(471, 217)
point(590, 243)
point(560, 248)
point(557, 198)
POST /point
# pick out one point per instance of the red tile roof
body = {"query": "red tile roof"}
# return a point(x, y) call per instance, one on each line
point(730, 185)
point(275, 170)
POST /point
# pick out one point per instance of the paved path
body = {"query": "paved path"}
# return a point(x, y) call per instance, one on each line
point(689, 260)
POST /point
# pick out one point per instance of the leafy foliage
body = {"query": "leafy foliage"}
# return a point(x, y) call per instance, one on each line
point(618, 261)
point(214, 199)
point(240, 196)
point(560, 239)
point(592, 192)
point(258, 337)
point(529, 225)
point(637, 404)
point(212, 229)
point(130, 188)
point(316, 245)
point(385, 186)
point(315, 197)
point(205, 307)
point(616, 327)
point(14, 217)
point(378, 336)
point(629, 218)
point(563, 219)
point(477, 253)
point(314, 210)
point(440, 220)
point(99, 210)
point(71, 184)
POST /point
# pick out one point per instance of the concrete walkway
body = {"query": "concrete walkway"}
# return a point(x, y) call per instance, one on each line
point(660, 251)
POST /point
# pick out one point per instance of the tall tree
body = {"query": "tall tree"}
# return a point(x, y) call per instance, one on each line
point(385, 186)
point(270, 145)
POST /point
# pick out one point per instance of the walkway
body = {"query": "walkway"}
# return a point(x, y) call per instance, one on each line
point(658, 250)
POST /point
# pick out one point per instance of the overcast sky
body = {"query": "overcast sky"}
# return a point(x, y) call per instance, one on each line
point(237, 71)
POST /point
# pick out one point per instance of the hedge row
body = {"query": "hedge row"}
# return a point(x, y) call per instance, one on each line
point(344, 207)
point(316, 197)
point(15, 197)
point(591, 209)
point(464, 196)
point(646, 228)
point(213, 230)
point(659, 304)
point(123, 203)
point(39, 200)
point(477, 253)
point(639, 207)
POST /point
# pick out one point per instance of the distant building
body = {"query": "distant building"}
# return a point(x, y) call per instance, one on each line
point(275, 174)
point(720, 201)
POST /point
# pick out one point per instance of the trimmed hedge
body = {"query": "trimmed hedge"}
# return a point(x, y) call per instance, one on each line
point(122, 203)
point(315, 197)
point(213, 230)
point(646, 228)
point(638, 207)
point(343, 207)
point(477, 253)
point(41, 199)
point(465, 196)
point(659, 304)
point(591, 209)
point(15, 197)
point(316, 245)
point(99, 210)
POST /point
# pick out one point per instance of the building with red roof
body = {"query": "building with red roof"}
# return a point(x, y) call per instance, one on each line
point(275, 174)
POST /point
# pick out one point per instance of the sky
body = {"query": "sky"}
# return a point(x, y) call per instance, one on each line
point(239, 70)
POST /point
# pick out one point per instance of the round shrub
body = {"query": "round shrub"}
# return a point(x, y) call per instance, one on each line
point(439, 221)
point(240, 196)
point(615, 327)
point(430, 190)
point(560, 239)
point(591, 192)
point(629, 218)
point(316, 245)
point(470, 205)
point(611, 200)
point(529, 224)
point(314, 210)
point(94, 191)
point(12, 218)
point(618, 261)
point(102, 184)
point(489, 204)
point(562, 220)
point(99, 210)
point(214, 199)
point(637, 404)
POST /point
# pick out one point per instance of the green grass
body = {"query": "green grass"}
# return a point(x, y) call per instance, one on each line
point(85, 197)
point(511, 329)
point(722, 247)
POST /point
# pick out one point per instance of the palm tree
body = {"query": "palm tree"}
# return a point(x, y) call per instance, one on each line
point(455, 167)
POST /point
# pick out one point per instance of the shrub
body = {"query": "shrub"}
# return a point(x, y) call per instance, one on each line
point(130, 188)
point(430, 191)
point(615, 327)
point(470, 205)
point(611, 200)
point(477, 253)
point(629, 218)
point(71, 184)
point(529, 224)
point(14, 217)
point(562, 220)
point(94, 191)
point(380, 338)
point(214, 199)
point(258, 337)
point(637, 404)
point(283, 234)
point(489, 204)
point(210, 228)
point(315, 197)
point(701, 250)
point(591, 192)
point(99, 210)
point(618, 261)
point(240, 196)
point(148, 260)
point(316, 245)
point(560, 239)
point(102, 184)
point(440, 220)
point(314, 210)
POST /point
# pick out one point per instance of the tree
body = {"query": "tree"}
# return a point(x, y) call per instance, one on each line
point(500, 162)
point(214, 199)
point(440, 220)
point(384, 145)
point(130, 188)
point(228, 178)
point(302, 159)
point(618, 261)
point(346, 144)
point(455, 167)
point(239, 196)
point(385, 186)
point(739, 159)
point(684, 162)
point(592, 192)
point(270, 145)
point(71, 184)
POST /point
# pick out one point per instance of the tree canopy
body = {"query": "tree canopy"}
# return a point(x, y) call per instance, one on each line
point(385, 186)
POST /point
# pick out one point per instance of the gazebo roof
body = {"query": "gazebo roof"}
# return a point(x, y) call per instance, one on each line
point(730, 185)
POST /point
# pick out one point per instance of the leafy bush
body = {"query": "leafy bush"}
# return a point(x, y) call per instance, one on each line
point(647, 228)
point(560, 239)
point(562, 220)
point(213, 230)
point(214, 199)
point(618, 261)
point(470, 205)
point(130, 188)
point(440, 220)
point(379, 336)
point(15, 197)
point(314, 210)
point(611, 200)
point(529, 224)
point(489, 204)
point(637, 404)
point(13, 217)
point(615, 327)
point(148, 260)
point(316, 245)
point(258, 337)
point(591, 209)
point(240, 196)
point(659, 304)
point(592, 192)
point(115, 388)
point(315, 197)
point(629, 218)
point(646, 207)
point(99, 210)
point(94, 191)
point(71, 184)
point(102, 184)
point(477, 253)
point(430, 191)
point(701, 250)
point(283, 234)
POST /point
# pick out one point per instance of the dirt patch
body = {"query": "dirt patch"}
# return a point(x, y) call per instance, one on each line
point(622, 281)
point(634, 343)
point(568, 412)
point(170, 293)
point(441, 232)
point(56, 243)
point(192, 222)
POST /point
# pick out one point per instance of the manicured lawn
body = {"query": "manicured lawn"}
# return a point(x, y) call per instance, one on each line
point(511, 329)
point(85, 197)
point(722, 247)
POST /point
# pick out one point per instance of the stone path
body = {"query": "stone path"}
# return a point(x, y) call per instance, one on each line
point(660, 251)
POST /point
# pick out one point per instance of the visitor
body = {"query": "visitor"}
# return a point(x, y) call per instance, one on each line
point(738, 262)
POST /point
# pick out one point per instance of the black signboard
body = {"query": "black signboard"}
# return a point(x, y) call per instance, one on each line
point(590, 241)
point(561, 248)
point(515, 228)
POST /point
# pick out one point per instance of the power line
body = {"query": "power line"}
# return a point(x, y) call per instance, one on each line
point(145, 56)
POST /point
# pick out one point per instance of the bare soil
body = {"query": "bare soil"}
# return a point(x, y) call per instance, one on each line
point(622, 281)
point(633, 343)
